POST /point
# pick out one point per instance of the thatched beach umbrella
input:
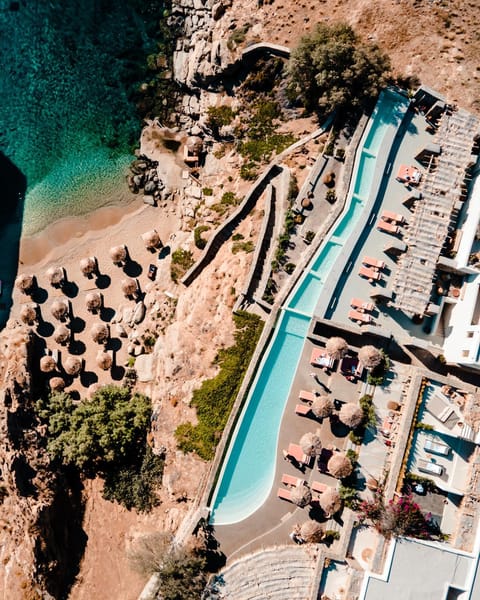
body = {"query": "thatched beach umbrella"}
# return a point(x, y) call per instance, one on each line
point(194, 144)
point(104, 360)
point(56, 276)
point(47, 364)
point(118, 254)
point(88, 265)
point(330, 501)
point(72, 366)
point(351, 415)
point(93, 301)
point(129, 286)
point(311, 443)
point(339, 466)
point(57, 384)
point(60, 309)
point(311, 532)
point(99, 332)
point(93, 389)
point(25, 283)
point(370, 357)
point(151, 239)
point(61, 334)
point(28, 313)
point(322, 407)
point(336, 347)
point(301, 495)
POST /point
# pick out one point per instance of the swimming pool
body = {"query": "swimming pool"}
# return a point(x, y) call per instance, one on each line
point(248, 470)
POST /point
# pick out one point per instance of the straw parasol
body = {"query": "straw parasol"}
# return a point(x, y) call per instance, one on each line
point(129, 286)
point(351, 415)
point(151, 239)
point(322, 407)
point(60, 308)
point(118, 254)
point(99, 332)
point(301, 495)
point(370, 357)
point(28, 314)
point(88, 265)
point(311, 443)
point(72, 365)
point(56, 276)
point(339, 465)
point(57, 384)
point(47, 364)
point(25, 283)
point(194, 144)
point(61, 334)
point(104, 360)
point(336, 347)
point(93, 301)
point(330, 501)
point(311, 532)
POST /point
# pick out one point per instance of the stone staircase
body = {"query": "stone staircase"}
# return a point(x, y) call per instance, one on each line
point(271, 574)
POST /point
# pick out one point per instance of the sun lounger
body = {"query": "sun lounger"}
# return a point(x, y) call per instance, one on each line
point(437, 447)
point(302, 409)
point(296, 452)
point(306, 396)
point(360, 304)
point(359, 317)
point(387, 227)
point(373, 262)
point(370, 274)
point(320, 358)
point(426, 466)
point(284, 494)
point(388, 215)
point(318, 487)
point(409, 175)
point(291, 480)
point(445, 414)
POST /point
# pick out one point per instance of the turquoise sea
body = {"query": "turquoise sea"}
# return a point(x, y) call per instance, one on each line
point(68, 71)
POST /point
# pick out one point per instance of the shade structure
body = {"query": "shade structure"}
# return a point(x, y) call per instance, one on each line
point(61, 334)
point(194, 144)
point(72, 365)
point(311, 443)
point(56, 276)
point(301, 495)
point(57, 384)
point(47, 364)
point(311, 532)
point(339, 466)
point(306, 203)
point(330, 501)
point(60, 308)
point(88, 265)
point(28, 313)
point(151, 239)
point(93, 301)
point(129, 286)
point(370, 357)
point(25, 283)
point(351, 415)
point(99, 332)
point(336, 347)
point(118, 254)
point(322, 407)
point(104, 360)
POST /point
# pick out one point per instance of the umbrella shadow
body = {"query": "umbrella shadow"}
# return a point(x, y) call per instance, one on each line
point(164, 252)
point(338, 429)
point(44, 328)
point(39, 295)
point(132, 268)
point(70, 289)
point(117, 372)
point(77, 347)
point(87, 378)
point(77, 325)
point(113, 344)
point(107, 313)
point(103, 281)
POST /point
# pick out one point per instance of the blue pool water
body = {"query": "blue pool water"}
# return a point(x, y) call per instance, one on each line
point(248, 470)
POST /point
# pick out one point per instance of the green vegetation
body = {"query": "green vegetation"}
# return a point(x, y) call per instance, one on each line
point(237, 237)
point(219, 116)
point(411, 479)
point(368, 409)
point(332, 69)
point(289, 268)
point(215, 397)
point(200, 243)
point(349, 495)
point(238, 37)
point(149, 341)
point(263, 75)
point(228, 199)
point(331, 196)
point(377, 375)
point(424, 426)
point(309, 236)
point(247, 247)
point(206, 191)
point(182, 260)
point(106, 435)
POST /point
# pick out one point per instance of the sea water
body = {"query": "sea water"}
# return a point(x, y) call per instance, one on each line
point(67, 119)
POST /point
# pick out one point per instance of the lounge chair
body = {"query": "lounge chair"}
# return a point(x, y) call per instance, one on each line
point(361, 304)
point(426, 466)
point(295, 451)
point(388, 215)
point(291, 480)
point(369, 274)
point(373, 262)
point(318, 487)
point(302, 410)
point(306, 396)
point(359, 317)
point(387, 227)
point(320, 358)
point(436, 447)
point(284, 494)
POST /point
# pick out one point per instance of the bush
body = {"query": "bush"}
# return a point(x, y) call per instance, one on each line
point(247, 247)
point(289, 268)
point(219, 116)
point(356, 436)
point(331, 197)
point(368, 408)
point(207, 191)
point(230, 199)
point(309, 236)
point(377, 375)
point(200, 243)
point(182, 260)
point(349, 495)
point(215, 397)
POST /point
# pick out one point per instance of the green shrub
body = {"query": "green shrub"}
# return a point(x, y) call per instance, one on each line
point(349, 495)
point(356, 435)
point(200, 243)
point(230, 199)
point(182, 260)
point(247, 247)
point(424, 426)
point(377, 375)
point(330, 535)
point(368, 408)
point(236, 237)
point(149, 341)
point(215, 397)
point(309, 236)
point(237, 37)
point(352, 456)
point(331, 197)
point(207, 191)
point(289, 268)
point(219, 116)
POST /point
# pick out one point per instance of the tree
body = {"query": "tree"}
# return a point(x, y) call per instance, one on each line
point(332, 69)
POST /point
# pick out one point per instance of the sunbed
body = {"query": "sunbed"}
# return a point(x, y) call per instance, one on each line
point(296, 452)
point(360, 304)
point(320, 358)
point(284, 494)
point(318, 487)
point(302, 409)
point(370, 274)
point(388, 215)
point(359, 317)
point(373, 262)
point(291, 480)
point(387, 227)
point(306, 396)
